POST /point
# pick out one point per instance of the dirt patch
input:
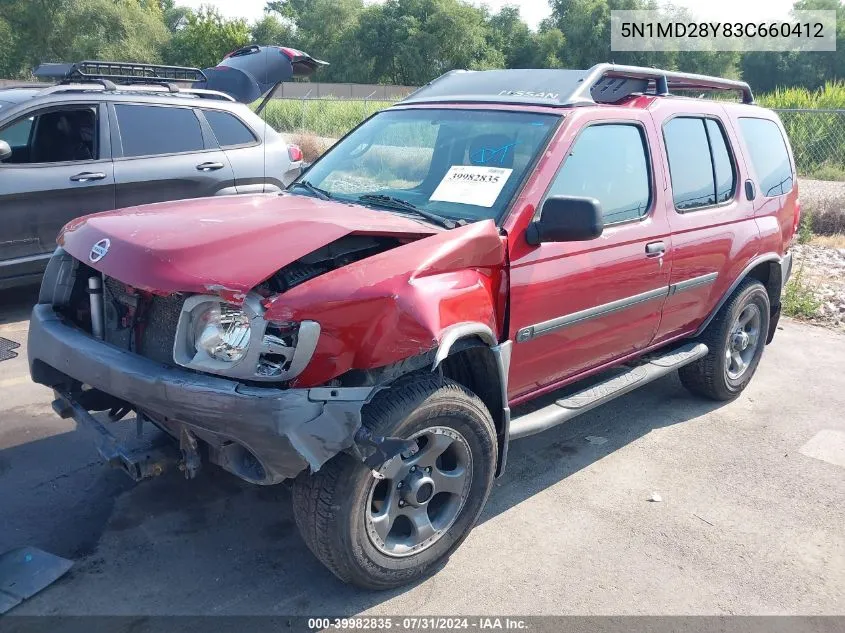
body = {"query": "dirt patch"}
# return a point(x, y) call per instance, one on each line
point(819, 277)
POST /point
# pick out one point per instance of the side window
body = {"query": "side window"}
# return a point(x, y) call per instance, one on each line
point(53, 136)
point(722, 163)
point(700, 163)
point(154, 130)
point(228, 129)
point(17, 134)
point(608, 162)
point(769, 155)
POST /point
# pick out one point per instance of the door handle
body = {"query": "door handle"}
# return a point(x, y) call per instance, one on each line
point(655, 249)
point(209, 166)
point(88, 176)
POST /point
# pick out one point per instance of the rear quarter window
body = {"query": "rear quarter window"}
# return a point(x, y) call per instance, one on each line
point(769, 155)
point(228, 129)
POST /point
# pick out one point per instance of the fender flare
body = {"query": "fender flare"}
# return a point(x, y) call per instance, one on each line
point(760, 259)
point(502, 353)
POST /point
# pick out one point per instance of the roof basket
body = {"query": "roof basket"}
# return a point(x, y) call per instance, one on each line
point(120, 72)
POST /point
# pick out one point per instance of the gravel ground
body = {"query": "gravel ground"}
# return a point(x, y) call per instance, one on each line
point(822, 269)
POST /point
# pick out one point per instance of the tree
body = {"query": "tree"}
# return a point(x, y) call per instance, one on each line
point(71, 30)
point(413, 41)
point(766, 71)
point(511, 35)
point(271, 30)
point(131, 30)
point(206, 38)
point(326, 29)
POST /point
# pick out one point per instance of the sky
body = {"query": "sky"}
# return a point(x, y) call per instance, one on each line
point(533, 11)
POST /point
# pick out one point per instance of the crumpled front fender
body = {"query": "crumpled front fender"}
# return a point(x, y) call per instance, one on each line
point(397, 304)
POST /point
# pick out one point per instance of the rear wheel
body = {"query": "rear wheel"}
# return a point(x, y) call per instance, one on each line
point(736, 338)
point(386, 531)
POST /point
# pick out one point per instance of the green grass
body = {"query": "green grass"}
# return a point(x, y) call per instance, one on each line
point(323, 117)
point(799, 300)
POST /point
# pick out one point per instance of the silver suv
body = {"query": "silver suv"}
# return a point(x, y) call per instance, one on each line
point(88, 145)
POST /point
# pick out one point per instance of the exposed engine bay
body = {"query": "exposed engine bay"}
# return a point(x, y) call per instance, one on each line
point(337, 254)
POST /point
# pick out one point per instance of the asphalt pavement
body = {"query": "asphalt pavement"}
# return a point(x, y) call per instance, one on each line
point(752, 517)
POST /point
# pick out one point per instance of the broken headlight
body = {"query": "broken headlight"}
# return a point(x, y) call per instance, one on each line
point(222, 332)
point(237, 342)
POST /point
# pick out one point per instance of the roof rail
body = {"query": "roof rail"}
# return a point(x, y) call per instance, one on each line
point(153, 88)
point(611, 80)
point(121, 72)
point(603, 83)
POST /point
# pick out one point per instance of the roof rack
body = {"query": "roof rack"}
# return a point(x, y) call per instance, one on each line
point(604, 80)
point(603, 83)
point(106, 73)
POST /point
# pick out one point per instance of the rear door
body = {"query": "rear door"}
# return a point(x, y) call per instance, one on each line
point(712, 220)
point(577, 306)
point(242, 147)
point(164, 152)
point(60, 169)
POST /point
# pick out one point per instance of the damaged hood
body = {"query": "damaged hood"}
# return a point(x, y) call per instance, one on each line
point(225, 245)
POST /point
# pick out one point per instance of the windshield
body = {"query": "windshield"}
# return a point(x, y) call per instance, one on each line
point(459, 164)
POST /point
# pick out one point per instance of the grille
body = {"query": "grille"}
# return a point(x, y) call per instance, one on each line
point(156, 321)
point(159, 330)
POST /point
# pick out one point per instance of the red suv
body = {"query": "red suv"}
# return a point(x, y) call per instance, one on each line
point(495, 237)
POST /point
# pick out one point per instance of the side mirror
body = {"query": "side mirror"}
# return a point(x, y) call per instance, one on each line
point(566, 219)
point(5, 150)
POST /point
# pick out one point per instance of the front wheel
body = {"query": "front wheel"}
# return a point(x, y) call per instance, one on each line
point(735, 338)
point(386, 531)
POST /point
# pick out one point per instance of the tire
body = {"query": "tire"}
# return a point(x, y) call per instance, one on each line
point(715, 375)
point(334, 507)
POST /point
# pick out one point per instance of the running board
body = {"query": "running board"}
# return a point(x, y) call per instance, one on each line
point(580, 402)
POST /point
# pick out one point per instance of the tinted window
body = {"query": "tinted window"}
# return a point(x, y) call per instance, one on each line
point(725, 179)
point(768, 155)
point(228, 129)
point(54, 136)
point(608, 162)
point(690, 166)
point(17, 134)
point(149, 130)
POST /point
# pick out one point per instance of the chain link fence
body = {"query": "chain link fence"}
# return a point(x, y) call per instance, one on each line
point(818, 141)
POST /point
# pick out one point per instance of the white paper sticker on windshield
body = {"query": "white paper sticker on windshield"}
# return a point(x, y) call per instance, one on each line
point(469, 184)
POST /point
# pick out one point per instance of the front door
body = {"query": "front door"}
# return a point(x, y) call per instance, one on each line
point(578, 306)
point(60, 169)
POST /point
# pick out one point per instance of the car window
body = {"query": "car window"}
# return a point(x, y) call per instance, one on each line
point(17, 134)
point(608, 162)
point(228, 129)
point(56, 135)
point(722, 162)
point(154, 130)
point(690, 164)
point(769, 155)
point(462, 164)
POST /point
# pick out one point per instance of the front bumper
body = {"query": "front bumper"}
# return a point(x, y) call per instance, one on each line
point(286, 431)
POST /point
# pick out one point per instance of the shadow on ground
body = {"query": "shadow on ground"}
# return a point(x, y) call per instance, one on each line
point(16, 303)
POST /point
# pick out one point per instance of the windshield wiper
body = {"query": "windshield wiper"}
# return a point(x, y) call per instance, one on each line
point(399, 204)
point(322, 194)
